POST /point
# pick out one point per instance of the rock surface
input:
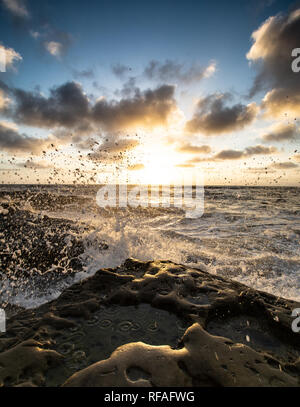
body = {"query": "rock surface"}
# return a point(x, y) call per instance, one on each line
point(153, 324)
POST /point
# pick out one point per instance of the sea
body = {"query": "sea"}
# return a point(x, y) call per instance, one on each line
point(52, 236)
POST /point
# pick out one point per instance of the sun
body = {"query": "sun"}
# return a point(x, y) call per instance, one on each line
point(159, 165)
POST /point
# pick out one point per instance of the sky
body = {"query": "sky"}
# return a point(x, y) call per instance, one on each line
point(151, 92)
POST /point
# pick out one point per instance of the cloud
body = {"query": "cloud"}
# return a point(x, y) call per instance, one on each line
point(192, 149)
point(148, 109)
point(8, 57)
point(4, 101)
point(85, 143)
point(67, 106)
point(212, 117)
point(120, 70)
point(282, 132)
point(129, 88)
point(58, 43)
point(248, 152)
point(115, 144)
point(85, 74)
point(53, 41)
point(173, 71)
point(16, 7)
point(296, 157)
point(37, 165)
point(271, 52)
point(284, 165)
point(114, 148)
point(259, 149)
point(12, 141)
point(231, 154)
point(54, 48)
point(34, 34)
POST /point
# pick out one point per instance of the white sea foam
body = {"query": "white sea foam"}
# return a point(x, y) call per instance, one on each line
point(245, 234)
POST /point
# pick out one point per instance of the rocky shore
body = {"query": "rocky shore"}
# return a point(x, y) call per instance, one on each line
point(153, 324)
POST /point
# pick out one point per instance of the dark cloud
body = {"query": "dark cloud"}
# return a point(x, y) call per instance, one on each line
point(229, 155)
point(259, 149)
point(173, 71)
point(248, 152)
point(147, 109)
point(213, 117)
point(282, 132)
point(14, 142)
point(236, 154)
point(272, 51)
point(193, 149)
point(67, 106)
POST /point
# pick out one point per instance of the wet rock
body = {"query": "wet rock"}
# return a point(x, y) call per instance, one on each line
point(205, 360)
point(133, 325)
point(28, 360)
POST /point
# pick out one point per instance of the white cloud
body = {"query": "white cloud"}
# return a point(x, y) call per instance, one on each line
point(9, 125)
point(7, 58)
point(271, 55)
point(54, 48)
point(282, 132)
point(210, 70)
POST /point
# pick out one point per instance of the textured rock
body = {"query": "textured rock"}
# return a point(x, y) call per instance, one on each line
point(205, 360)
point(26, 360)
point(207, 331)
